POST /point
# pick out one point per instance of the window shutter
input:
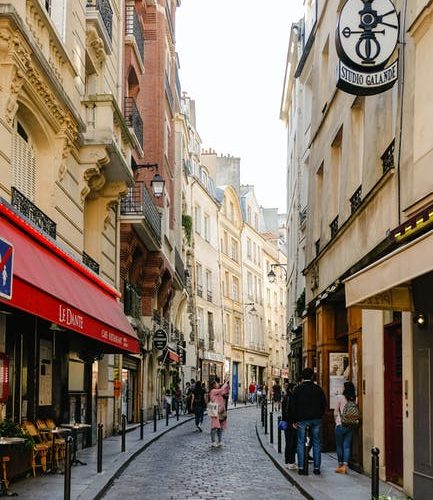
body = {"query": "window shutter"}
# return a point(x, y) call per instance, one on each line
point(57, 14)
point(23, 166)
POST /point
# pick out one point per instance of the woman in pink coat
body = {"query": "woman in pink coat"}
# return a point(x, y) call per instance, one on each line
point(218, 424)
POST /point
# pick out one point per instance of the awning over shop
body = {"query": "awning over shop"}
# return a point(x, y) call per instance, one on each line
point(49, 283)
point(173, 356)
point(384, 284)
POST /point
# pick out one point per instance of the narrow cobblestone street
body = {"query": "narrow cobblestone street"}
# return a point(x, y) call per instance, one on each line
point(183, 465)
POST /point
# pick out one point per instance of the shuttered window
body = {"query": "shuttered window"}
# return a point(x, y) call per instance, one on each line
point(56, 10)
point(23, 163)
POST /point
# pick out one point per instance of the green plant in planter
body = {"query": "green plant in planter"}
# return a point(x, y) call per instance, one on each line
point(11, 429)
point(187, 226)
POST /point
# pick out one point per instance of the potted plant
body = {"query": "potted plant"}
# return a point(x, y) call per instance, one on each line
point(20, 454)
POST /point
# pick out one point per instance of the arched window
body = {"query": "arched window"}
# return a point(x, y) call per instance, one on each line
point(23, 161)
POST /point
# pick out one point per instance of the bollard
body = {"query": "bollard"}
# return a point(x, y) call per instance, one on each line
point(141, 423)
point(245, 398)
point(279, 435)
point(154, 418)
point(375, 473)
point(68, 453)
point(266, 419)
point(166, 415)
point(123, 433)
point(272, 405)
point(263, 413)
point(99, 454)
point(306, 449)
point(177, 410)
point(271, 427)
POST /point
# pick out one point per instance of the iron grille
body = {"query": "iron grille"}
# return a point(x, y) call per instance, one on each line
point(209, 295)
point(356, 200)
point(388, 157)
point(32, 212)
point(334, 227)
point(132, 304)
point(90, 263)
point(133, 27)
point(200, 290)
point(133, 119)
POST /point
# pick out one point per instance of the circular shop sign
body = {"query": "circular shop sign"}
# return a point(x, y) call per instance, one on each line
point(367, 33)
point(160, 339)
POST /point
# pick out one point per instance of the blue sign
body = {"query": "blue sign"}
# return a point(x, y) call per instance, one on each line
point(6, 268)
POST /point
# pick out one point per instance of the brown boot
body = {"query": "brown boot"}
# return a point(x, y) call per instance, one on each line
point(341, 469)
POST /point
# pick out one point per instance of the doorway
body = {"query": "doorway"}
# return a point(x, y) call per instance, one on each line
point(235, 381)
point(393, 403)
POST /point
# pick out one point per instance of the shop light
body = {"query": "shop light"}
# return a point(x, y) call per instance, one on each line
point(420, 320)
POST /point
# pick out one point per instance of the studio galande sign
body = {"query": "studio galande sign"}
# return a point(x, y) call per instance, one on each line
point(366, 38)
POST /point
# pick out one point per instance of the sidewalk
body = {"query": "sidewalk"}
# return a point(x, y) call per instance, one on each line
point(329, 485)
point(86, 483)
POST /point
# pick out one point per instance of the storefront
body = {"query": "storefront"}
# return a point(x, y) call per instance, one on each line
point(58, 318)
point(212, 366)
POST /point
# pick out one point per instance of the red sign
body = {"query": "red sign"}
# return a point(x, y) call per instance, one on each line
point(4, 377)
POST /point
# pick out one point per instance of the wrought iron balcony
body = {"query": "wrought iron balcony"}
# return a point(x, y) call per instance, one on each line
point(179, 266)
point(209, 295)
point(303, 217)
point(356, 200)
point(133, 27)
point(90, 263)
point(133, 119)
point(334, 227)
point(106, 12)
point(169, 92)
point(388, 157)
point(317, 246)
point(200, 290)
point(32, 212)
point(132, 300)
point(138, 202)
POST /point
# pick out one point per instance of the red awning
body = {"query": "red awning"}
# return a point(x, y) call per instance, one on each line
point(48, 282)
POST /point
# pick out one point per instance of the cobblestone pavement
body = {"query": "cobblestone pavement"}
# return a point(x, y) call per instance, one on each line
point(183, 465)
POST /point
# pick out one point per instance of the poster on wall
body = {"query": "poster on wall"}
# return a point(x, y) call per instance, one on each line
point(45, 372)
point(338, 374)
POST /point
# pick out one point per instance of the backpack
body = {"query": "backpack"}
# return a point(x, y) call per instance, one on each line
point(350, 416)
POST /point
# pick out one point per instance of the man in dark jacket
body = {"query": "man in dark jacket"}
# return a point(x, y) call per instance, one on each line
point(310, 405)
point(288, 415)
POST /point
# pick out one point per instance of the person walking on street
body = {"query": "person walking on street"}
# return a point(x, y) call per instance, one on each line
point(219, 423)
point(343, 433)
point(198, 404)
point(290, 434)
point(252, 392)
point(276, 395)
point(310, 405)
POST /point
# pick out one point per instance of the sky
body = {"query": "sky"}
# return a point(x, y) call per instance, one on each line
point(232, 61)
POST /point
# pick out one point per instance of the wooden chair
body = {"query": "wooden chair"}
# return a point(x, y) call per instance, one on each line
point(59, 442)
point(4, 461)
point(40, 449)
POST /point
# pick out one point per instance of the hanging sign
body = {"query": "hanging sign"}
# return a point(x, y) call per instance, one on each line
point(160, 339)
point(366, 38)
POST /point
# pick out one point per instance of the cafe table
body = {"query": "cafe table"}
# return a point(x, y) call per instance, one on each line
point(56, 433)
point(76, 428)
point(7, 441)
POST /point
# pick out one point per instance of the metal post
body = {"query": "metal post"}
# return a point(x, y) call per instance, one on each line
point(177, 410)
point(375, 473)
point(263, 413)
point(271, 427)
point(272, 405)
point(266, 419)
point(246, 397)
point(141, 423)
point(154, 418)
point(67, 487)
point(123, 433)
point(279, 435)
point(166, 415)
point(306, 448)
point(99, 455)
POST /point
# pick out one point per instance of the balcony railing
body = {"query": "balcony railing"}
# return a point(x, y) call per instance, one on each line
point(90, 263)
point(133, 119)
point(32, 212)
point(303, 217)
point(388, 158)
point(169, 92)
point(139, 202)
point(200, 290)
point(179, 266)
point(132, 304)
point(334, 227)
point(133, 27)
point(317, 246)
point(356, 200)
point(209, 295)
point(106, 12)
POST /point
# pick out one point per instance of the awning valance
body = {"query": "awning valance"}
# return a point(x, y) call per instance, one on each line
point(49, 283)
point(383, 284)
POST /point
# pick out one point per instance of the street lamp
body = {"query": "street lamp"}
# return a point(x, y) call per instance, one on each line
point(271, 274)
point(158, 182)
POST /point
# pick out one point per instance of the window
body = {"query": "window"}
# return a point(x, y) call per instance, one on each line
point(23, 162)
point(248, 249)
point(206, 227)
point(166, 137)
point(250, 286)
point(232, 211)
point(254, 253)
point(227, 327)
point(200, 323)
point(56, 10)
point(227, 284)
point(226, 244)
point(209, 285)
point(235, 288)
point(249, 215)
point(234, 250)
point(197, 219)
point(237, 339)
point(199, 279)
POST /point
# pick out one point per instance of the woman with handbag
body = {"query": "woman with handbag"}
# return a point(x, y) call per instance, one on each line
point(218, 418)
point(290, 433)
